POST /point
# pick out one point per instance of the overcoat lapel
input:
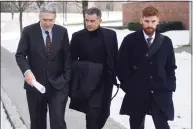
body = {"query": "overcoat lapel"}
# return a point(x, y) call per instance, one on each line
point(108, 51)
point(40, 40)
point(150, 51)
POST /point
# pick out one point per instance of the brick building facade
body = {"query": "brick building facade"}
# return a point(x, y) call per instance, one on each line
point(169, 11)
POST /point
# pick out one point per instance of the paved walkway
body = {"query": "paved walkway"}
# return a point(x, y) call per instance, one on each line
point(184, 48)
point(5, 123)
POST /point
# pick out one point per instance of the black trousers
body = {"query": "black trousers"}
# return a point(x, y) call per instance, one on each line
point(55, 100)
point(95, 118)
point(159, 119)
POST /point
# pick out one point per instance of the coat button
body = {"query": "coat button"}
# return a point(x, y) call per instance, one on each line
point(150, 62)
point(151, 91)
point(147, 55)
point(151, 77)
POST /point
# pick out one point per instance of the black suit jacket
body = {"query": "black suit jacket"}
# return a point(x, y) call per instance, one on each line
point(139, 75)
point(30, 54)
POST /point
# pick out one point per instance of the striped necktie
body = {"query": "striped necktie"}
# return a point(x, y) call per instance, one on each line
point(48, 43)
point(149, 41)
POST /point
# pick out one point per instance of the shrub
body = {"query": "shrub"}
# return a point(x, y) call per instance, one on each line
point(162, 27)
point(134, 26)
point(172, 25)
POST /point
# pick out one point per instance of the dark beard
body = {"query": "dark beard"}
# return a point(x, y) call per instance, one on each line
point(149, 31)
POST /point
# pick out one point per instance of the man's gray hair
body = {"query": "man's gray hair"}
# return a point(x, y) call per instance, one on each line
point(94, 10)
point(49, 7)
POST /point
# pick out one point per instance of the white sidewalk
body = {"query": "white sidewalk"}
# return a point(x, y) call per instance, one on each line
point(5, 124)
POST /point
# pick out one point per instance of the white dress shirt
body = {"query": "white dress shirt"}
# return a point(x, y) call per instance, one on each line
point(146, 36)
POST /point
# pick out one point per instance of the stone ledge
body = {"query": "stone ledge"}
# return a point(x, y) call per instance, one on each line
point(11, 111)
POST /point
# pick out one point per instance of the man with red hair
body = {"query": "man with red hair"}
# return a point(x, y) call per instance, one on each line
point(146, 69)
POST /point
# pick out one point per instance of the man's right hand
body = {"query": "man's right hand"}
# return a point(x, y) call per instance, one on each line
point(29, 76)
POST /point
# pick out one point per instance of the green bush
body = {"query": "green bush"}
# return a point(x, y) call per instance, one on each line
point(172, 25)
point(134, 26)
point(116, 27)
point(162, 27)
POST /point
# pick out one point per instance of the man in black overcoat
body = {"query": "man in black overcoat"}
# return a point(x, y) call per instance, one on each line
point(43, 54)
point(146, 69)
point(94, 51)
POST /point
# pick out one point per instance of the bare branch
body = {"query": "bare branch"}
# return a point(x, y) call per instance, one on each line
point(39, 3)
point(78, 1)
point(21, 6)
point(79, 6)
point(26, 5)
point(15, 5)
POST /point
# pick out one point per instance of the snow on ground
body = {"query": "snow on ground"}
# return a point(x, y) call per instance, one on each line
point(179, 38)
point(10, 36)
point(181, 98)
point(71, 17)
point(5, 124)
point(10, 28)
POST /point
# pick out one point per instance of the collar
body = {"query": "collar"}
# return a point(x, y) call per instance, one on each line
point(44, 30)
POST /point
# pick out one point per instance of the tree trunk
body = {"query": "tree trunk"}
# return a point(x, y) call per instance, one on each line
point(20, 21)
point(39, 3)
point(12, 15)
point(66, 9)
point(84, 18)
point(63, 12)
point(84, 8)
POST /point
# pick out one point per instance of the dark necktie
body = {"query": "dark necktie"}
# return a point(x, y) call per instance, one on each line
point(149, 41)
point(48, 43)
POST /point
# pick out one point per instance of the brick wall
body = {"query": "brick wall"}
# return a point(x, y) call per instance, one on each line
point(169, 11)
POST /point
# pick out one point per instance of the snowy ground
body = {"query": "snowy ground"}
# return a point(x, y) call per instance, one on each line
point(10, 35)
point(182, 97)
point(10, 28)
point(70, 17)
point(5, 124)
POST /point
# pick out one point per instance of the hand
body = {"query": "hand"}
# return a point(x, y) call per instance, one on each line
point(29, 77)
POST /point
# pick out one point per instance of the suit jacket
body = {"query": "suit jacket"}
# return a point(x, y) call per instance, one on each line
point(139, 75)
point(30, 54)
